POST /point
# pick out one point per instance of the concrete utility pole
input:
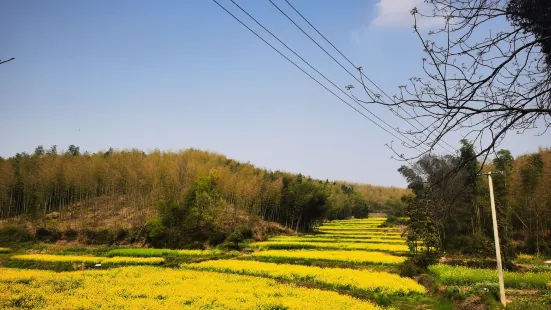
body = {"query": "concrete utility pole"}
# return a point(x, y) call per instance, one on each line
point(496, 238)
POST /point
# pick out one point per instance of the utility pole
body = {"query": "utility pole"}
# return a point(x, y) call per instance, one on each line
point(496, 237)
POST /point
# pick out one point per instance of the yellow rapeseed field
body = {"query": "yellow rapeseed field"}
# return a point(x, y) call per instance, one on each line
point(344, 278)
point(359, 257)
point(58, 258)
point(148, 287)
point(351, 227)
point(332, 245)
point(337, 239)
point(118, 260)
point(47, 258)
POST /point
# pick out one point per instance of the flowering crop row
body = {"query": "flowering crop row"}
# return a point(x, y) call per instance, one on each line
point(89, 259)
point(357, 257)
point(342, 278)
point(356, 236)
point(319, 239)
point(160, 288)
point(332, 246)
point(367, 220)
point(147, 252)
point(349, 228)
point(58, 258)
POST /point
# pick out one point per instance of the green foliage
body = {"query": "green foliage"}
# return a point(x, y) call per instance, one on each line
point(527, 304)
point(46, 235)
point(193, 222)
point(459, 275)
point(235, 238)
point(14, 234)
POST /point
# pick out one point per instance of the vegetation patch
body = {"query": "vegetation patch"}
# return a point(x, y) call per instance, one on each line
point(346, 240)
point(156, 288)
point(459, 275)
point(147, 252)
point(364, 281)
point(401, 248)
point(118, 260)
point(58, 258)
point(357, 257)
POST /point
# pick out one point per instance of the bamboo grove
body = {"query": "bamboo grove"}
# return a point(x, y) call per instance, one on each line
point(453, 214)
point(129, 184)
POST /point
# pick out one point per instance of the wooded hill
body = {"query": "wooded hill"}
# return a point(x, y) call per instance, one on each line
point(124, 189)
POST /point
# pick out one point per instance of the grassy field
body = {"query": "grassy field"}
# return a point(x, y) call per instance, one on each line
point(351, 264)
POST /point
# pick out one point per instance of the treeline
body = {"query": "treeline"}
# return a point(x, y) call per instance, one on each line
point(49, 184)
point(450, 209)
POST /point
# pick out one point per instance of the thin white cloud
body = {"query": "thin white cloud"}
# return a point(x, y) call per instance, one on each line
point(397, 13)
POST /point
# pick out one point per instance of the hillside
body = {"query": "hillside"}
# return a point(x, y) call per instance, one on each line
point(117, 192)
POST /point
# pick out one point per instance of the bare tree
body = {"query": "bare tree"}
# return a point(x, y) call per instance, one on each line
point(487, 72)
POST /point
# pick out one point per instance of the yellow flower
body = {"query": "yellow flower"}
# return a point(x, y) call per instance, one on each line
point(344, 278)
point(331, 245)
point(147, 287)
point(360, 257)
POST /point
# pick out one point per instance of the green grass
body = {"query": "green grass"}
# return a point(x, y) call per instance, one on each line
point(529, 259)
point(459, 275)
point(4, 250)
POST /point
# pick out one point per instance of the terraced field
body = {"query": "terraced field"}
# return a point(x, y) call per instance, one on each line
point(348, 265)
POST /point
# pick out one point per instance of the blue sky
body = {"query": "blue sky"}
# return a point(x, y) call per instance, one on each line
point(179, 74)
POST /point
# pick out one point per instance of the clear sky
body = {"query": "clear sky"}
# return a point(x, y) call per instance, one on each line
point(179, 74)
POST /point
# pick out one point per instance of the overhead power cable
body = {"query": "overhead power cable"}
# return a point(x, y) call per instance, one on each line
point(303, 71)
point(369, 92)
point(414, 144)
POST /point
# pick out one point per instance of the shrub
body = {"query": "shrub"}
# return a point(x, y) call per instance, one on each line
point(14, 234)
point(235, 238)
point(46, 235)
point(70, 235)
point(100, 236)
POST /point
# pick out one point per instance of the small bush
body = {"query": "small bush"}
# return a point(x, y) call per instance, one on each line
point(485, 287)
point(14, 234)
point(235, 238)
point(47, 235)
point(101, 236)
point(70, 235)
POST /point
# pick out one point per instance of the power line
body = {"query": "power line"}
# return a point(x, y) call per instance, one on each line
point(349, 61)
point(303, 71)
point(415, 145)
